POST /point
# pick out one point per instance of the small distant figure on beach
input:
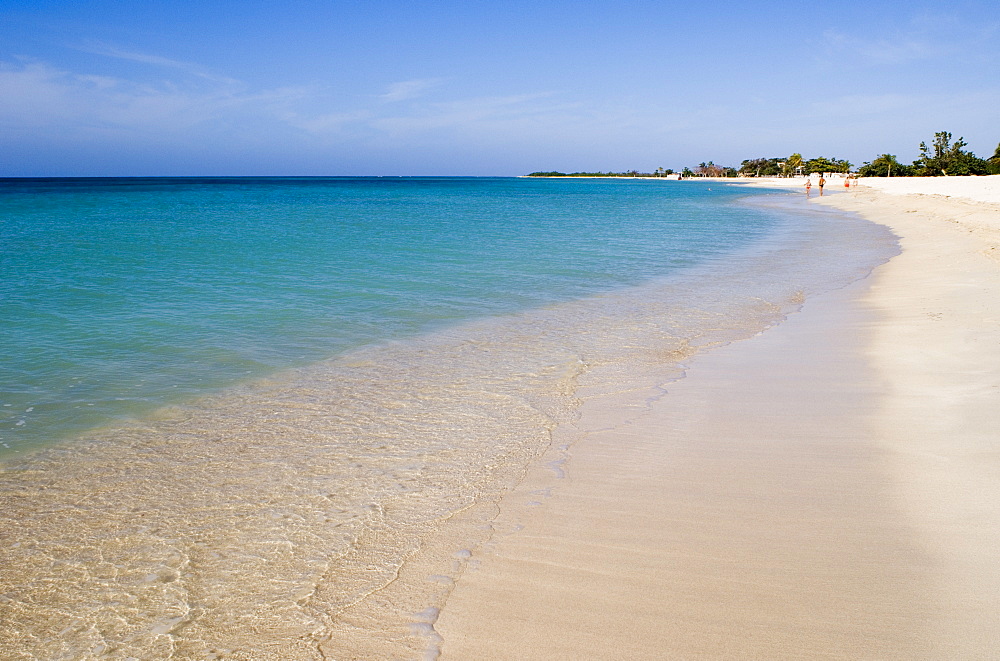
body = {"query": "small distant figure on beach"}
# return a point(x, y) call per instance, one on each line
point(822, 182)
point(809, 185)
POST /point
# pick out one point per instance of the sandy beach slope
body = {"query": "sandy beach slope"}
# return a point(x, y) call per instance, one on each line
point(827, 489)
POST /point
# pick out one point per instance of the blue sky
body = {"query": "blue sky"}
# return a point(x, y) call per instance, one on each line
point(309, 87)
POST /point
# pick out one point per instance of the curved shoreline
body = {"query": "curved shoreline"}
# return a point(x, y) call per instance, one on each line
point(937, 352)
point(329, 510)
point(827, 488)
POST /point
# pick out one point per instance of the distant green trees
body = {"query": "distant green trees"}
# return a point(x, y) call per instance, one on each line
point(792, 165)
point(822, 164)
point(942, 158)
point(760, 167)
point(709, 169)
point(885, 165)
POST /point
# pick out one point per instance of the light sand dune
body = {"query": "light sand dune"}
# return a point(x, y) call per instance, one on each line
point(827, 489)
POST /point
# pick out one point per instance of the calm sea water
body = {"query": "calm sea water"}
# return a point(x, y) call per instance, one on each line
point(273, 418)
point(120, 295)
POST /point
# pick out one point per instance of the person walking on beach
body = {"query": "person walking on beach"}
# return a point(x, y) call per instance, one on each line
point(809, 184)
point(822, 182)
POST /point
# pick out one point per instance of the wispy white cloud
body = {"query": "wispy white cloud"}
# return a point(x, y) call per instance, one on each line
point(192, 68)
point(46, 109)
point(36, 94)
point(107, 50)
point(410, 89)
point(895, 50)
point(52, 101)
point(923, 36)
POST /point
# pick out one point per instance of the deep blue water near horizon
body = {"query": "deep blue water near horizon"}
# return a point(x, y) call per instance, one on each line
point(118, 296)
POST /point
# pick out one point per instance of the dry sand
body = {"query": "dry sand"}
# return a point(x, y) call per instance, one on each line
point(827, 489)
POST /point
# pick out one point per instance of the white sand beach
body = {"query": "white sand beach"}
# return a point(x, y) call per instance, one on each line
point(855, 516)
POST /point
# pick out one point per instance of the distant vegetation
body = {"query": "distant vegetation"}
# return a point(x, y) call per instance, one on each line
point(791, 166)
point(942, 158)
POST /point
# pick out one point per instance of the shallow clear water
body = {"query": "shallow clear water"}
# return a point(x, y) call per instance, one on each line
point(305, 397)
point(120, 295)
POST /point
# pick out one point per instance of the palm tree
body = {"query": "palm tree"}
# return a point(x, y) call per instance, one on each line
point(792, 164)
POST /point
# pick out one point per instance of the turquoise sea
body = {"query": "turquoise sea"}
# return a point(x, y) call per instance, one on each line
point(120, 295)
point(271, 418)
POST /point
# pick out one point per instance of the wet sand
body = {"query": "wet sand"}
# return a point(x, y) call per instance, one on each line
point(827, 489)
